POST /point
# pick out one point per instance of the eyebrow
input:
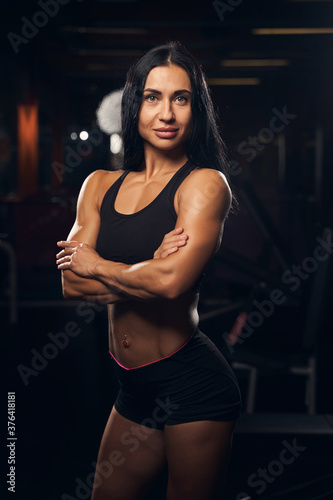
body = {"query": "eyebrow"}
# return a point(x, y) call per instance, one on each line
point(176, 92)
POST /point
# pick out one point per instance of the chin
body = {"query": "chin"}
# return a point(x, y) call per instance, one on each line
point(170, 147)
point(169, 143)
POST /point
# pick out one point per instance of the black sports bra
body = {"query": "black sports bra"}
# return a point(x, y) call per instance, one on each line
point(132, 238)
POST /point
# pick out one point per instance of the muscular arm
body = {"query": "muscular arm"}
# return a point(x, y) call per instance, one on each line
point(204, 203)
point(85, 230)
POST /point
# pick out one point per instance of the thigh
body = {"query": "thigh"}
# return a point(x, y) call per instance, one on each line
point(197, 455)
point(130, 457)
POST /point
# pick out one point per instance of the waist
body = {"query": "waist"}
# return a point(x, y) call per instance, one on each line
point(156, 360)
point(198, 354)
point(153, 329)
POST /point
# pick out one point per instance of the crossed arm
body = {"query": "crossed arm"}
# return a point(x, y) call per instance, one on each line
point(203, 204)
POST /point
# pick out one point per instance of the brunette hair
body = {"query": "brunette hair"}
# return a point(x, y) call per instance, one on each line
point(204, 147)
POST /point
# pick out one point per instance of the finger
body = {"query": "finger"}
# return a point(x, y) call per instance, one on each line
point(67, 258)
point(181, 237)
point(176, 240)
point(65, 265)
point(166, 247)
point(61, 254)
point(168, 251)
point(66, 244)
point(175, 231)
point(173, 249)
point(179, 242)
point(66, 251)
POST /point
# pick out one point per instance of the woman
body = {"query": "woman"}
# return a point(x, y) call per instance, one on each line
point(178, 401)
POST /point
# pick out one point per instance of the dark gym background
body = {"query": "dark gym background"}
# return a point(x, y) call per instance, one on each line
point(269, 67)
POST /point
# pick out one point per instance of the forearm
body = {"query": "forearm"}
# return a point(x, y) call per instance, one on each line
point(85, 273)
point(76, 287)
point(148, 280)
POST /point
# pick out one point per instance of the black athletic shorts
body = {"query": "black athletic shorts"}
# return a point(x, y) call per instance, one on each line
point(193, 383)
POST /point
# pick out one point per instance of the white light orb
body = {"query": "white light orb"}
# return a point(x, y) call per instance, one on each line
point(116, 143)
point(84, 135)
point(109, 112)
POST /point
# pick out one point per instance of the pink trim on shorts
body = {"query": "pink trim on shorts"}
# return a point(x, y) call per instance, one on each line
point(152, 362)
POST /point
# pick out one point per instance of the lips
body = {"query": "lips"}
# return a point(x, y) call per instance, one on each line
point(166, 133)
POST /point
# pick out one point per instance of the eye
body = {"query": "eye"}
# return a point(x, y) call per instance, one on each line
point(151, 98)
point(181, 99)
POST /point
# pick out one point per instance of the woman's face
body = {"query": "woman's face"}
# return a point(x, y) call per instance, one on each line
point(165, 116)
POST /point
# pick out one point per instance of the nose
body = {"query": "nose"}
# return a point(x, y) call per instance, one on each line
point(166, 112)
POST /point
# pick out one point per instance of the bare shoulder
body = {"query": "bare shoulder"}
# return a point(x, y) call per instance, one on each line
point(206, 187)
point(97, 183)
point(98, 177)
point(206, 176)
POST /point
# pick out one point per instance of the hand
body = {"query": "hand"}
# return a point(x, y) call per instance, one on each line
point(171, 242)
point(81, 258)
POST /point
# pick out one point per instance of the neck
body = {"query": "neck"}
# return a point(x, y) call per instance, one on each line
point(156, 161)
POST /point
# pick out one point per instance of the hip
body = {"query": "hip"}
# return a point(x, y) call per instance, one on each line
point(198, 355)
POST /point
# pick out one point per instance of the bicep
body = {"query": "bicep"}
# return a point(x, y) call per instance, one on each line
point(203, 208)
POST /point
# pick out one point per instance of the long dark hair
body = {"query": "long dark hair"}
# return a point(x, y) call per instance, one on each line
point(204, 147)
